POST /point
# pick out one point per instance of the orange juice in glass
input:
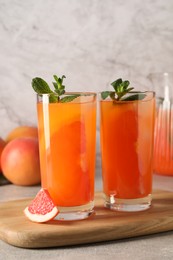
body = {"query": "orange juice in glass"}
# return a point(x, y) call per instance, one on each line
point(127, 129)
point(67, 133)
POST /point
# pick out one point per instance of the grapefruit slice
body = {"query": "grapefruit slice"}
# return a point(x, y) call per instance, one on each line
point(42, 208)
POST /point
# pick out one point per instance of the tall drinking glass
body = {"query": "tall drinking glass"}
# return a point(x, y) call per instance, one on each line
point(127, 133)
point(67, 137)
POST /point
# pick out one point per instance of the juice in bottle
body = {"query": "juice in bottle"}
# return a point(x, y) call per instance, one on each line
point(163, 136)
point(163, 142)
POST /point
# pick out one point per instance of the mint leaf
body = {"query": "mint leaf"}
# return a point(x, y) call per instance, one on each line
point(59, 80)
point(53, 98)
point(69, 98)
point(40, 86)
point(126, 84)
point(105, 94)
point(59, 88)
point(116, 83)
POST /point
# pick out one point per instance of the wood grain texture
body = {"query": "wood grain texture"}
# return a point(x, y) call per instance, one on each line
point(104, 225)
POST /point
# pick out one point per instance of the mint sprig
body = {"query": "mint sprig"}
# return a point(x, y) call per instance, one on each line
point(121, 89)
point(59, 87)
point(40, 86)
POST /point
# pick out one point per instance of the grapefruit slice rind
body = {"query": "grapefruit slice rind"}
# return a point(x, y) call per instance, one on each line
point(42, 208)
point(41, 218)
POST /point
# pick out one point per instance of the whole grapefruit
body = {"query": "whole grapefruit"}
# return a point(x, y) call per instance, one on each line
point(22, 131)
point(20, 161)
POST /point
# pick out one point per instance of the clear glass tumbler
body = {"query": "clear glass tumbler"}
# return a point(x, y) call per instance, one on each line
point(67, 140)
point(127, 134)
point(163, 144)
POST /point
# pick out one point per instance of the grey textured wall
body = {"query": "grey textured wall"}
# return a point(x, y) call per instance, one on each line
point(92, 42)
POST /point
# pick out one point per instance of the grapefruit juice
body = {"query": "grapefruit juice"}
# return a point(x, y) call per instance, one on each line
point(67, 133)
point(127, 129)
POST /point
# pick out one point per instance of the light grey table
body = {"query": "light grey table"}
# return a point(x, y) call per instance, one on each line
point(159, 246)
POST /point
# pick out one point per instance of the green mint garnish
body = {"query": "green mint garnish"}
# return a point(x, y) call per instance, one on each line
point(40, 86)
point(59, 88)
point(105, 94)
point(121, 88)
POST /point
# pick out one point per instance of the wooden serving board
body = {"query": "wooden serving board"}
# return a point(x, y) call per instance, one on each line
point(104, 225)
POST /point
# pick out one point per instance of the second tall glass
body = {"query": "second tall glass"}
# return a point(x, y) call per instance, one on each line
point(127, 132)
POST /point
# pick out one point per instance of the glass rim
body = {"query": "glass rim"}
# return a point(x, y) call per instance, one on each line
point(147, 92)
point(66, 98)
point(68, 93)
point(132, 92)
